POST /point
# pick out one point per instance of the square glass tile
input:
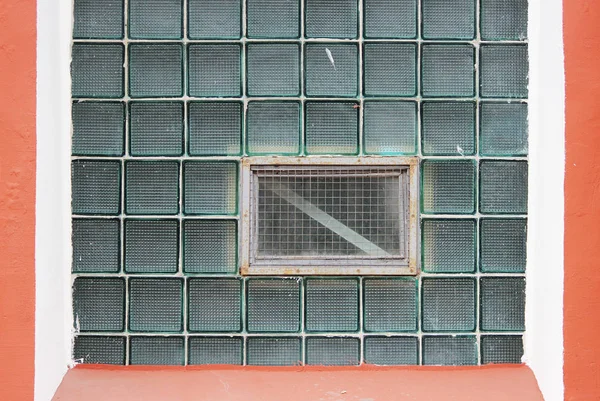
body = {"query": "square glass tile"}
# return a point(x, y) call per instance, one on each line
point(504, 71)
point(98, 128)
point(331, 19)
point(151, 246)
point(155, 70)
point(210, 246)
point(273, 18)
point(156, 350)
point(98, 304)
point(384, 19)
point(503, 304)
point(501, 349)
point(156, 128)
point(156, 305)
point(96, 187)
point(448, 246)
point(215, 350)
point(444, 19)
point(448, 186)
point(390, 128)
point(390, 305)
point(273, 128)
point(331, 128)
point(273, 69)
point(448, 304)
point(331, 70)
point(504, 129)
point(272, 351)
point(331, 305)
point(97, 70)
point(273, 305)
point(504, 19)
point(96, 245)
point(449, 350)
point(214, 70)
point(210, 187)
point(391, 350)
point(503, 186)
point(390, 69)
point(448, 128)
point(214, 305)
point(215, 128)
point(151, 187)
point(95, 19)
point(155, 19)
point(332, 351)
point(99, 349)
point(214, 19)
point(448, 70)
point(503, 245)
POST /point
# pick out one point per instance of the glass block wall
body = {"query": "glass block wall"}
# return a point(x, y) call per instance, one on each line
point(170, 95)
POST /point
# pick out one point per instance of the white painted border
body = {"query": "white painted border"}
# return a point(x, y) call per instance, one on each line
point(545, 264)
point(53, 198)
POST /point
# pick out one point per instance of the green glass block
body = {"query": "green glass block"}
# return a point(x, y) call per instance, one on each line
point(504, 19)
point(210, 187)
point(332, 351)
point(156, 351)
point(448, 128)
point(331, 70)
point(448, 246)
point(503, 245)
point(273, 18)
point(448, 304)
point(214, 70)
point(214, 305)
point(273, 305)
point(273, 69)
point(331, 128)
point(504, 71)
point(98, 304)
point(450, 350)
point(214, 19)
point(155, 70)
point(215, 350)
point(390, 128)
point(210, 246)
point(273, 128)
point(215, 128)
point(390, 69)
point(96, 245)
point(151, 187)
point(503, 186)
point(96, 187)
point(155, 305)
point(448, 186)
point(448, 70)
point(501, 349)
point(331, 305)
point(156, 19)
point(95, 19)
point(99, 349)
point(390, 305)
point(504, 129)
point(331, 18)
point(448, 19)
point(390, 20)
point(151, 246)
point(156, 128)
point(97, 70)
point(503, 304)
point(272, 351)
point(98, 128)
point(392, 350)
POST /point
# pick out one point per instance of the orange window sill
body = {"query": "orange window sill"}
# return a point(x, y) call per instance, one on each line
point(365, 383)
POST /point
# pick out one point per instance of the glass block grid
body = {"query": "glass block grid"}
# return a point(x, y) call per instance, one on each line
point(170, 95)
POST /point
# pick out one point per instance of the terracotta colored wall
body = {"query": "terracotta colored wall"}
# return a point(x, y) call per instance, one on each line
point(582, 200)
point(17, 197)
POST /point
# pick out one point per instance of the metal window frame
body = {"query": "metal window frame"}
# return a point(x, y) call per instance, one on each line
point(335, 267)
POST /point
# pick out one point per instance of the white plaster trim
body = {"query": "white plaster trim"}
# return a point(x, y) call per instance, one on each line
point(545, 246)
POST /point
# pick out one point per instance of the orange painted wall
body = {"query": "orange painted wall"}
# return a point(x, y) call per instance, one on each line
point(582, 200)
point(17, 197)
